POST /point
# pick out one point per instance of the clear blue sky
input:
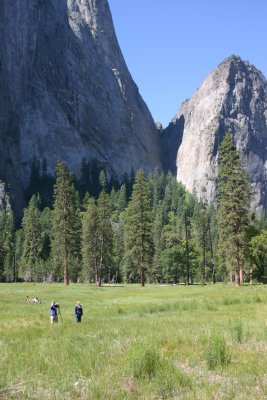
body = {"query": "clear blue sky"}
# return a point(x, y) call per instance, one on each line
point(171, 45)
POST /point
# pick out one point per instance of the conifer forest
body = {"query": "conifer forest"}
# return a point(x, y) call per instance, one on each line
point(145, 229)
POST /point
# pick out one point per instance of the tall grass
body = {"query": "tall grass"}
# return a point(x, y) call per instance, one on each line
point(217, 352)
point(134, 343)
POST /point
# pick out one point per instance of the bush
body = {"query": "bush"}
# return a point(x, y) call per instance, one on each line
point(216, 351)
point(238, 331)
point(143, 362)
point(146, 363)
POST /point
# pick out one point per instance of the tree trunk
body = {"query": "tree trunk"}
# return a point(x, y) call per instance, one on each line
point(236, 278)
point(241, 275)
point(240, 269)
point(142, 271)
point(142, 277)
point(99, 280)
point(101, 261)
point(251, 274)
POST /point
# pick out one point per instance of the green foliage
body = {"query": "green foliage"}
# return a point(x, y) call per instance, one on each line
point(7, 242)
point(156, 269)
point(258, 254)
point(66, 223)
point(138, 230)
point(32, 245)
point(97, 240)
point(105, 237)
point(143, 361)
point(238, 331)
point(90, 250)
point(102, 180)
point(217, 352)
point(149, 229)
point(233, 209)
point(118, 251)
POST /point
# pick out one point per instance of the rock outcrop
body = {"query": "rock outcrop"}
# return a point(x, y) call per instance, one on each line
point(66, 92)
point(233, 98)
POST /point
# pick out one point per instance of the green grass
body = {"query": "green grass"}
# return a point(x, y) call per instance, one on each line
point(157, 342)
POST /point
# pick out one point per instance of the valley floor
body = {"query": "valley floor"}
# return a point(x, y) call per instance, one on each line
point(156, 342)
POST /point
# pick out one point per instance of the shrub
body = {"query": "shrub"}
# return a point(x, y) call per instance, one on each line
point(217, 353)
point(143, 362)
point(146, 363)
point(238, 331)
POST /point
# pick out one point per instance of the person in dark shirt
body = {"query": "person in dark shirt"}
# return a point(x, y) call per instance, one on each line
point(54, 311)
point(78, 311)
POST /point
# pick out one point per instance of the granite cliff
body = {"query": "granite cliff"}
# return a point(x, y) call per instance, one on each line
point(66, 92)
point(233, 98)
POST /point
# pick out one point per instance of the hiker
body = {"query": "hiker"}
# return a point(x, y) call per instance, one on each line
point(54, 311)
point(78, 311)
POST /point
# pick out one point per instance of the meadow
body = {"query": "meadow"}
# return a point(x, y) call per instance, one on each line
point(156, 342)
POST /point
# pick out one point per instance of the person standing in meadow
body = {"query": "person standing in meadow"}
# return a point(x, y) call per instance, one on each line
point(54, 311)
point(78, 311)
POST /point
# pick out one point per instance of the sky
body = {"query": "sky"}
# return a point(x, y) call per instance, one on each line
point(170, 46)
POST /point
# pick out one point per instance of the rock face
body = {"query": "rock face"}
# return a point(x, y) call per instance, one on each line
point(66, 93)
point(171, 139)
point(233, 98)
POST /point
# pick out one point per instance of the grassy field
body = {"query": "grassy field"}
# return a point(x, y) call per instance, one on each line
point(157, 342)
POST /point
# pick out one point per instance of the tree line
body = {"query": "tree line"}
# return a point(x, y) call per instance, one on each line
point(148, 229)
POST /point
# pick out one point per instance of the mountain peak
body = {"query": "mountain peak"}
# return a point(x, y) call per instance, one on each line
point(232, 98)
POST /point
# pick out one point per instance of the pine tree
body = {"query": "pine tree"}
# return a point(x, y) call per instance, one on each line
point(118, 249)
point(10, 272)
point(233, 208)
point(90, 242)
point(97, 240)
point(46, 264)
point(173, 256)
point(103, 180)
point(105, 237)
point(122, 198)
point(19, 247)
point(258, 255)
point(66, 221)
point(202, 235)
point(32, 238)
point(138, 226)
point(156, 272)
point(7, 239)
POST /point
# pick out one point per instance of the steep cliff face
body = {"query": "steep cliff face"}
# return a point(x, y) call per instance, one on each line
point(66, 93)
point(233, 98)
